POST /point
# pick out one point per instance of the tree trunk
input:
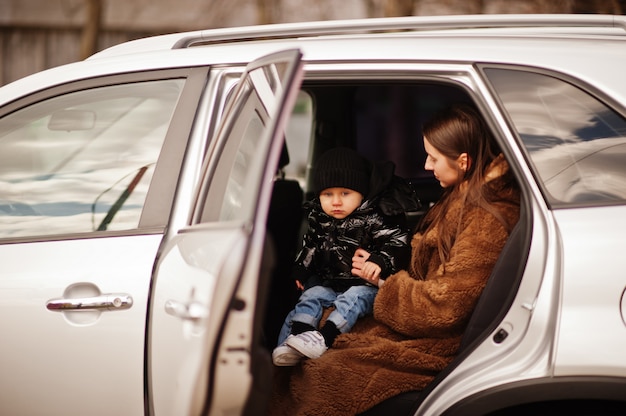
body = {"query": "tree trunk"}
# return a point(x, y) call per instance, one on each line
point(399, 7)
point(89, 39)
point(268, 11)
point(598, 6)
point(372, 8)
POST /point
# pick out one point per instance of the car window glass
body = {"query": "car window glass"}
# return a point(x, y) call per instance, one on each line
point(388, 122)
point(233, 191)
point(577, 143)
point(82, 161)
point(298, 138)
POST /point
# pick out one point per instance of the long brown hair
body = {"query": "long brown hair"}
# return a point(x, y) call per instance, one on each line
point(456, 130)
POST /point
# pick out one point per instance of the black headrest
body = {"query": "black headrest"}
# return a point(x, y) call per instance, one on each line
point(284, 157)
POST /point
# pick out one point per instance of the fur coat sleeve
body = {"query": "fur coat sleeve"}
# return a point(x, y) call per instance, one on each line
point(440, 305)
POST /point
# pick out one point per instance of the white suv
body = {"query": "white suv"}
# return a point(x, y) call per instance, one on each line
point(150, 209)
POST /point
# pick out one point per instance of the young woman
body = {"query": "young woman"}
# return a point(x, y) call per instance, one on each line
point(420, 313)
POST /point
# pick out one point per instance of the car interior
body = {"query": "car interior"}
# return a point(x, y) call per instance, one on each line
point(382, 121)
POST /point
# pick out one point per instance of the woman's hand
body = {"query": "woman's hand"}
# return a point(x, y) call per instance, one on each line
point(358, 261)
point(364, 269)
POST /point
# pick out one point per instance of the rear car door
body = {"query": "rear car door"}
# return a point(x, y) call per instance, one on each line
point(201, 330)
point(88, 171)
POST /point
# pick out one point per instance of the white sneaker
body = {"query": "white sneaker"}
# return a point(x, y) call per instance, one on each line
point(309, 343)
point(285, 356)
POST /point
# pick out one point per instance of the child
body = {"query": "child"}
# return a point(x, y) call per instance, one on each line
point(342, 218)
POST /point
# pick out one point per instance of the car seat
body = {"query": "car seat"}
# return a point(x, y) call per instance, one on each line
point(284, 221)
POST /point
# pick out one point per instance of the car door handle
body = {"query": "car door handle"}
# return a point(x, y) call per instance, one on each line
point(193, 311)
point(110, 302)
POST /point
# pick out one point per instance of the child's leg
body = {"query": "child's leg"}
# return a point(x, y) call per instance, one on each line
point(286, 328)
point(350, 305)
point(354, 303)
point(308, 311)
point(302, 320)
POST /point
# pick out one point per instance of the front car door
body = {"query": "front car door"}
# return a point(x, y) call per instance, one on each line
point(86, 188)
point(201, 327)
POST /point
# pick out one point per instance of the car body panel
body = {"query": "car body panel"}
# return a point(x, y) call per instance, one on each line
point(197, 262)
point(86, 357)
point(590, 322)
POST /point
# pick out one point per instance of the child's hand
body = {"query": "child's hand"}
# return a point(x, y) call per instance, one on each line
point(299, 285)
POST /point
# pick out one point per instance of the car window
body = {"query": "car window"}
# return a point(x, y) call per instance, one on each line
point(577, 144)
point(82, 161)
point(233, 192)
point(298, 138)
point(388, 122)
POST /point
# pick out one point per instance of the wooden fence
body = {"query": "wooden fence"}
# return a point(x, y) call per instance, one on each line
point(24, 51)
point(40, 34)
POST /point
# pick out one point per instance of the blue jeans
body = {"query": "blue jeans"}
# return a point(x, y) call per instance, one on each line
point(350, 305)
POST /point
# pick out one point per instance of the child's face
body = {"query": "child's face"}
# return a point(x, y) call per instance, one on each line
point(340, 202)
point(447, 171)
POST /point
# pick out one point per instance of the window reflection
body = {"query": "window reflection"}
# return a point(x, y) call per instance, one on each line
point(577, 144)
point(83, 161)
point(232, 194)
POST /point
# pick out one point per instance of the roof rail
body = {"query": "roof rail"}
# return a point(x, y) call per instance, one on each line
point(412, 23)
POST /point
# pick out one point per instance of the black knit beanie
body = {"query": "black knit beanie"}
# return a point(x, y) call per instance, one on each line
point(341, 167)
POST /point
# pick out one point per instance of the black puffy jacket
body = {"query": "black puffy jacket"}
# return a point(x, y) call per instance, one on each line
point(376, 226)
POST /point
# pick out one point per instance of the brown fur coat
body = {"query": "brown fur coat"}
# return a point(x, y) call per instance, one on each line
point(415, 330)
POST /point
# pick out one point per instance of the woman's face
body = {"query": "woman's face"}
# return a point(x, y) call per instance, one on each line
point(340, 202)
point(447, 171)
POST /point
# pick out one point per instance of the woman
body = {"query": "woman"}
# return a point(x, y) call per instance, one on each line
point(420, 313)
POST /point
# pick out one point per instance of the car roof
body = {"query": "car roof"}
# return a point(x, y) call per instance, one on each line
point(546, 41)
point(574, 25)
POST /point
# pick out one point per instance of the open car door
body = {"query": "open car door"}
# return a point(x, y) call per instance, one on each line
point(202, 337)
